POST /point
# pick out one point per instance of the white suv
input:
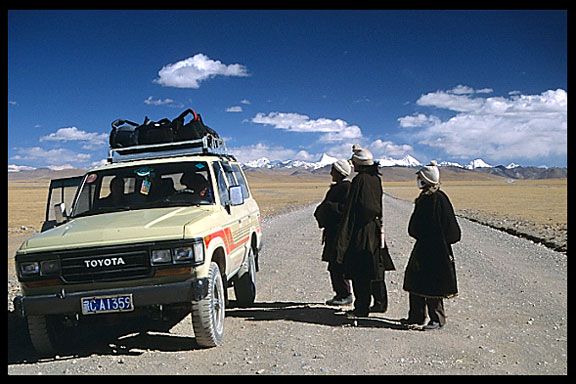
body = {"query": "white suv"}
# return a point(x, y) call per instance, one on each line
point(159, 227)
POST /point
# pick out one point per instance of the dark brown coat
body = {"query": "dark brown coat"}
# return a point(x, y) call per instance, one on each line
point(358, 245)
point(430, 270)
point(329, 215)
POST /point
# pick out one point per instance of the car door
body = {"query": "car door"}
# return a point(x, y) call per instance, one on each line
point(252, 210)
point(236, 225)
point(61, 191)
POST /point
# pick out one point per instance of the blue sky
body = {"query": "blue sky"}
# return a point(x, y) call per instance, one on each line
point(444, 85)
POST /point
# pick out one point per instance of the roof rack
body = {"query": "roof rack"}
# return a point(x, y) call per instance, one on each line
point(208, 145)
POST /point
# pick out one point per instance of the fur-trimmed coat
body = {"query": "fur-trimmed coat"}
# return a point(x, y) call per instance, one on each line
point(430, 270)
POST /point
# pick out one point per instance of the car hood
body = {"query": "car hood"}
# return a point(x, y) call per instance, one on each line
point(118, 228)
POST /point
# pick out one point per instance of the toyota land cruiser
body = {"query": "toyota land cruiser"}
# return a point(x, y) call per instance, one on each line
point(159, 227)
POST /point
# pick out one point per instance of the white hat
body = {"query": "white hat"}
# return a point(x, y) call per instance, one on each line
point(342, 167)
point(430, 173)
point(362, 156)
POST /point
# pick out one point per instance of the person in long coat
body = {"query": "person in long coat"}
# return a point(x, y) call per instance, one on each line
point(328, 215)
point(358, 246)
point(430, 274)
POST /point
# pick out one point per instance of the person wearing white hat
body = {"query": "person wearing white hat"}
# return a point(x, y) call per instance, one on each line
point(328, 215)
point(359, 240)
point(430, 274)
point(429, 176)
point(361, 156)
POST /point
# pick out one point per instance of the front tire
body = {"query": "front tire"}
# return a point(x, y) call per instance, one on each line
point(245, 283)
point(41, 335)
point(208, 313)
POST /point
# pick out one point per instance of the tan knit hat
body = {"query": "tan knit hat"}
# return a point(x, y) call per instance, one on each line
point(342, 167)
point(430, 173)
point(362, 156)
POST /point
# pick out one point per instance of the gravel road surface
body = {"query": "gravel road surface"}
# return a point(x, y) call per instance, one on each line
point(510, 316)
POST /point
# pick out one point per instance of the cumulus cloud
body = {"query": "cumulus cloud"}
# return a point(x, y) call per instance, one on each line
point(52, 157)
point(499, 128)
point(257, 151)
point(236, 108)
point(74, 134)
point(188, 73)
point(333, 130)
point(381, 148)
point(418, 120)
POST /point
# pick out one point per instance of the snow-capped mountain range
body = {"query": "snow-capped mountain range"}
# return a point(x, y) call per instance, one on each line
point(325, 160)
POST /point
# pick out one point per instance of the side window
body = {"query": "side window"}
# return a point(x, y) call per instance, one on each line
point(229, 172)
point(221, 181)
point(241, 180)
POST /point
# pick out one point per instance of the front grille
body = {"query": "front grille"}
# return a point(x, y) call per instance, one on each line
point(105, 264)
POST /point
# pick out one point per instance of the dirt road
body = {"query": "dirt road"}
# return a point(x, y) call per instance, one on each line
point(510, 317)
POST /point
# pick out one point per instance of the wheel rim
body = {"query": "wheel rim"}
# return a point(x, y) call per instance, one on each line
point(252, 268)
point(218, 305)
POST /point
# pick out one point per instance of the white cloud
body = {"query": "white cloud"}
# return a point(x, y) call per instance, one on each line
point(74, 134)
point(190, 72)
point(333, 130)
point(466, 90)
point(498, 128)
point(167, 101)
point(381, 149)
point(451, 101)
point(52, 157)
point(234, 109)
point(151, 101)
point(256, 151)
point(418, 120)
point(18, 168)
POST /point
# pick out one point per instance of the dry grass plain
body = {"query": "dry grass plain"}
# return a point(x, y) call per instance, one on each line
point(539, 201)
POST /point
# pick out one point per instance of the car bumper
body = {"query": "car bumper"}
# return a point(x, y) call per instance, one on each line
point(143, 296)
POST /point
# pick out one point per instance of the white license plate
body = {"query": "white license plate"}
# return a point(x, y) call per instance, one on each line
point(107, 304)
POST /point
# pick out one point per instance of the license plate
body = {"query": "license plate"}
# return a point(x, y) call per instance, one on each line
point(107, 304)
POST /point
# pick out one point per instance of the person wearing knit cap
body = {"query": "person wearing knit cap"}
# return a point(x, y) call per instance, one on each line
point(361, 156)
point(429, 175)
point(358, 246)
point(328, 215)
point(430, 274)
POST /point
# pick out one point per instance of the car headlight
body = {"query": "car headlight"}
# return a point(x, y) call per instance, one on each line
point(189, 254)
point(183, 254)
point(160, 256)
point(193, 253)
point(49, 267)
point(198, 253)
point(29, 268)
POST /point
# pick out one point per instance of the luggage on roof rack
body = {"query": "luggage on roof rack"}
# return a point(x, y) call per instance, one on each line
point(126, 133)
point(155, 132)
point(123, 134)
point(205, 146)
point(193, 130)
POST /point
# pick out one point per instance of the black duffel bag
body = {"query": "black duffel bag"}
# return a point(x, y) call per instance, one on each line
point(193, 130)
point(124, 134)
point(155, 132)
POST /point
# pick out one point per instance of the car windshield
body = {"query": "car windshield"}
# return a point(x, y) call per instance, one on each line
point(141, 187)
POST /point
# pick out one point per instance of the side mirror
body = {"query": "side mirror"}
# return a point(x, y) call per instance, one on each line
point(60, 213)
point(236, 197)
